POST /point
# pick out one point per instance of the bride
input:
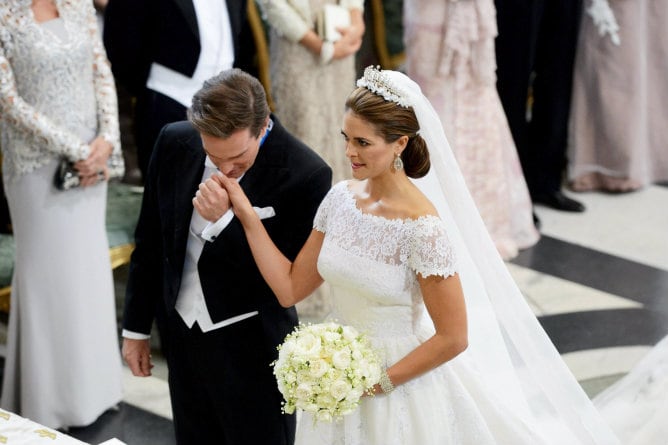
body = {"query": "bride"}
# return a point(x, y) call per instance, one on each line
point(411, 265)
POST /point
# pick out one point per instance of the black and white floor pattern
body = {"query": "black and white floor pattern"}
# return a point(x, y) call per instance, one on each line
point(598, 281)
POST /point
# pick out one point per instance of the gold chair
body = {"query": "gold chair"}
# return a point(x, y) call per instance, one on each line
point(262, 49)
point(385, 26)
point(4, 299)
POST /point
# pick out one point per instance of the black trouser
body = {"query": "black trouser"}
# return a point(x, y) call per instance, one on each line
point(538, 38)
point(222, 387)
point(152, 112)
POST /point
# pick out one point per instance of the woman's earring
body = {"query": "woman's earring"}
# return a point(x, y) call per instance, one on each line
point(398, 164)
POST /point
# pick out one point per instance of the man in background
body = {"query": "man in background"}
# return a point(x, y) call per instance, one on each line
point(162, 51)
point(535, 49)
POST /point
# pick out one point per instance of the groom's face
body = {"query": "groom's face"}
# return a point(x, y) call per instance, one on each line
point(233, 155)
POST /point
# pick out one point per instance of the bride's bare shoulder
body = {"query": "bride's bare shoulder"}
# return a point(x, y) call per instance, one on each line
point(418, 205)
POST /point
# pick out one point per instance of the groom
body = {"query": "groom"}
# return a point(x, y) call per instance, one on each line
point(219, 321)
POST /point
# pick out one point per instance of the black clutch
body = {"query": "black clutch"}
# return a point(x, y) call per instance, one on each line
point(66, 176)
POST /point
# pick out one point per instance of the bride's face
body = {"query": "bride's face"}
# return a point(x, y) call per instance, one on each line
point(369, 154)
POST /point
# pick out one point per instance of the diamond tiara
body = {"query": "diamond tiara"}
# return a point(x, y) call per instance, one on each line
point(380, 83)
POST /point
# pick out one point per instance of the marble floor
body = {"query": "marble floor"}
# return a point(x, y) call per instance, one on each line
point(597, 281)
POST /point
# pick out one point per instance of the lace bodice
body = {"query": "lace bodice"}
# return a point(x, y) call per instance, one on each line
point(372, 263)
point(55, 90)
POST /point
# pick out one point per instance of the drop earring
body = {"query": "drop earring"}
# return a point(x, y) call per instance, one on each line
point(398, 164)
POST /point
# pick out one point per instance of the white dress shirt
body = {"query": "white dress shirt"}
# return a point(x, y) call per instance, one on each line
point(190, 303)
point(217, 54)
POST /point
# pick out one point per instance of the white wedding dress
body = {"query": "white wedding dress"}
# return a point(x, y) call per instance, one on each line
point(371, 264)
point(636, 407)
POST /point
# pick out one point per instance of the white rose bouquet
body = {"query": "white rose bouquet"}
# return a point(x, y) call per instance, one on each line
point(325, 369)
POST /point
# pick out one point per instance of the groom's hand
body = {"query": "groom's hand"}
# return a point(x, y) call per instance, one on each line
point(211, 200)
point(137, 354)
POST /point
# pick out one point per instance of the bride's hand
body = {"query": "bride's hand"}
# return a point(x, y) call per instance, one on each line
point(241, 206)
point(374, 390)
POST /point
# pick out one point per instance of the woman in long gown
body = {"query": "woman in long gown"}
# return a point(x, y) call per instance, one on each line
point(57, 99)
point(310, 78)
point(450, 54)
point(618, 131)
point(411, 265)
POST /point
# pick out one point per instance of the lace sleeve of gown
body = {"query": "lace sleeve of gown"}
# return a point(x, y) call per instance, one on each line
point(324, 209)
point(105, 96)
point(431, 252)
point(18, 113)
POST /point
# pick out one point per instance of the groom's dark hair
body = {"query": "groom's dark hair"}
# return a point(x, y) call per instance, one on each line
point(230, 101)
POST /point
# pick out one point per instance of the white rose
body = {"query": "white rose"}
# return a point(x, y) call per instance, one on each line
point(347, 409)
point(326, 401)
point(341, 359)
point(373, 375)
point(354, 394)
point(303, 391)
point(290, 377)
point(287, 347)
point(334, 374)
point(308, 344)
point(318, 368)
point(280, 363)
point(359, 369)
point(331, 337)
point(282, 386)
point(340, 389)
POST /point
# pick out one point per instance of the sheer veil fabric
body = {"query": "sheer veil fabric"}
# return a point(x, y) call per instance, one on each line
point(508, 349)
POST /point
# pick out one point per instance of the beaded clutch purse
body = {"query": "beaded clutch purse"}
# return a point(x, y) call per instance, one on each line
point(66, 176)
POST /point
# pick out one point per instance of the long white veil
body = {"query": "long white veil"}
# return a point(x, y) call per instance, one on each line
point(507, 346)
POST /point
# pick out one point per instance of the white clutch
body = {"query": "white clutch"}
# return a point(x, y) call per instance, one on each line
point(330, 18)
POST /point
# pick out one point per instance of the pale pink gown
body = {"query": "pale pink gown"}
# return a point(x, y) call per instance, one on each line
point(618, 125)
point(450, 54)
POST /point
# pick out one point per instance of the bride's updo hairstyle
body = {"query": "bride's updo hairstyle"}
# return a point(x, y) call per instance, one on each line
point(392, 121)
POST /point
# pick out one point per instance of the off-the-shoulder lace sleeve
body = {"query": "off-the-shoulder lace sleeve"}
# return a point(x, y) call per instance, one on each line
point(431, 252)
point(18, 113)
point(105, 95)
